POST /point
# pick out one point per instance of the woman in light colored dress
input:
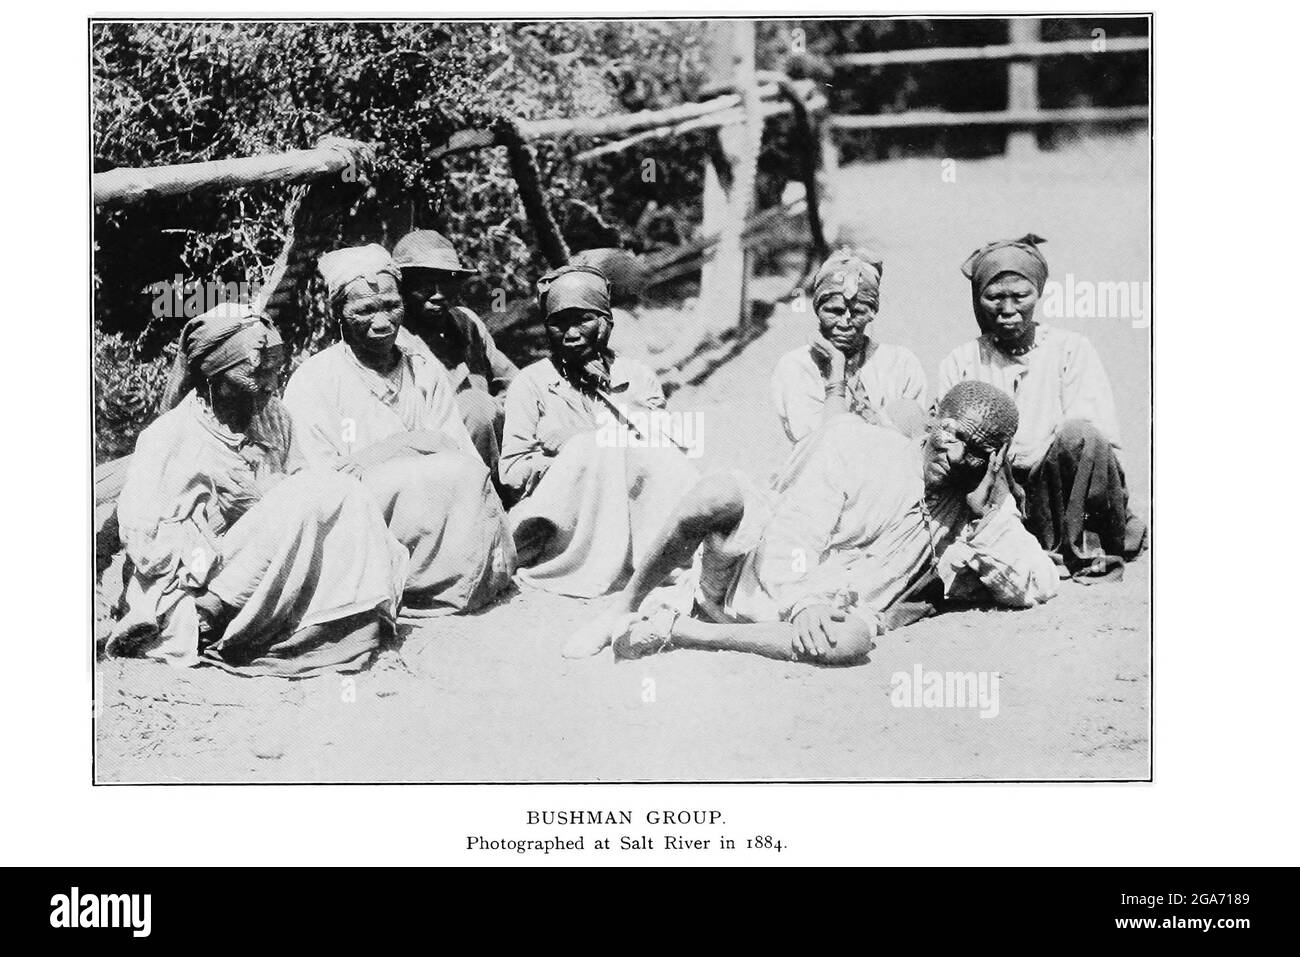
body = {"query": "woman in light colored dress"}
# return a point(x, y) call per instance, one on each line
point(1066, 455)
point(240, 557)
point(843, 369)
point(382, 408)
point(582, 451)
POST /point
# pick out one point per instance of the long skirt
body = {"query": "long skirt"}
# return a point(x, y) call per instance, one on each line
point(594, 514)
point(313, 573)
point(443, 508)
point(1076, 504)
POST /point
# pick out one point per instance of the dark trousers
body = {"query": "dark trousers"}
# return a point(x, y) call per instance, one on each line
point(1076, 503)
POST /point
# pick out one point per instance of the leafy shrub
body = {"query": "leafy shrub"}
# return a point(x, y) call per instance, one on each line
point(185, 92)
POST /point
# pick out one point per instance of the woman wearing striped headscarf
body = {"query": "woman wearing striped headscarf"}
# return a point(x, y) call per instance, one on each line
point(1066, 453)
point(241, 558)
point(843, 369)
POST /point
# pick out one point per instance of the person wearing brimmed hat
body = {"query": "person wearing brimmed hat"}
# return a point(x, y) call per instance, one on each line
point(431, 279)
point(593, 487)
point(859, 525)
point(378, 406)
point(241, 558)
point(1066, 454)
point(843, 369)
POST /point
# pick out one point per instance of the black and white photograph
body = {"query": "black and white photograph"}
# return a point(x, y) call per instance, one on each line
point(622, 400)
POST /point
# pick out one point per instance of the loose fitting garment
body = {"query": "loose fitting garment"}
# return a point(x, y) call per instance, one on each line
point(589, 513)
point(1066, 454)
point(304, 557)
point(878, 376)
point(467, 351)
point(1076, 503)
point(479, 372)
point(1060, 378)
point(846, 523)
point(442, 507)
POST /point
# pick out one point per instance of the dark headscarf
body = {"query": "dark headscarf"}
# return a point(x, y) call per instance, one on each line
point(215, 341)
point(1019, 256)
point(579, 287)
point(573, 287)
point(850, 273)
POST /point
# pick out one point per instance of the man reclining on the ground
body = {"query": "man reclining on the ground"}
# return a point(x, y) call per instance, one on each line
point(859, 520)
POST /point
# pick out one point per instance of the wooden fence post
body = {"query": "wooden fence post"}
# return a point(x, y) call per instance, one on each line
point(832, 227)
point(724, 277)
point(1022, 88)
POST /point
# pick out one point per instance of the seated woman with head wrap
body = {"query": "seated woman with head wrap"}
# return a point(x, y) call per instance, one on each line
point(376, 406)
point(843, 369)
point(859, 525)
point(593, 487)
point(1065, 456)
point(241, 559)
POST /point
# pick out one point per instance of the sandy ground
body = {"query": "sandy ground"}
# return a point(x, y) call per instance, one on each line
point(488, 697)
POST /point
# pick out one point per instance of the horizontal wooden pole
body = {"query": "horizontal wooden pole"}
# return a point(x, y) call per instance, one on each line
point(620, 124)
point(1080, 114)
point(729, 117)
point(120, 187)
point(623, 123)
point(1014, 51)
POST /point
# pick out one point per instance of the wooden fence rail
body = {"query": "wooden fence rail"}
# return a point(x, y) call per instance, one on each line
point(1078, 114)
point(1032, 50)
point(120, 187)
point(1021, 55)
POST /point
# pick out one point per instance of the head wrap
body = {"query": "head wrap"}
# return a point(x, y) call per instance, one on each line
point(1020, 256)
point(984, 413)
point(342, 266)
point(215, 341)
point(426, 249)
point(624, 272)
point(850, 273)
point(573, 287)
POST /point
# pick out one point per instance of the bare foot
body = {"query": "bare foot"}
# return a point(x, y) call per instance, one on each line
point(594, 637)
point(646, 636)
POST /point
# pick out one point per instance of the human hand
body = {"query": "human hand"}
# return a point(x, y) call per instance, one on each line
point(830, 361)
point(552, 438)
point(814, 630)
point(993, 487)
point(397, 445)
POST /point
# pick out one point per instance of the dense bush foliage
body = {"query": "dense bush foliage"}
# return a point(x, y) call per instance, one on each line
point(166, 93)
point(179, 92)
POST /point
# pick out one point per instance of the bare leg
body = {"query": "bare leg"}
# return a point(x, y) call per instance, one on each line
point(715, 504)
point(775, 639)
